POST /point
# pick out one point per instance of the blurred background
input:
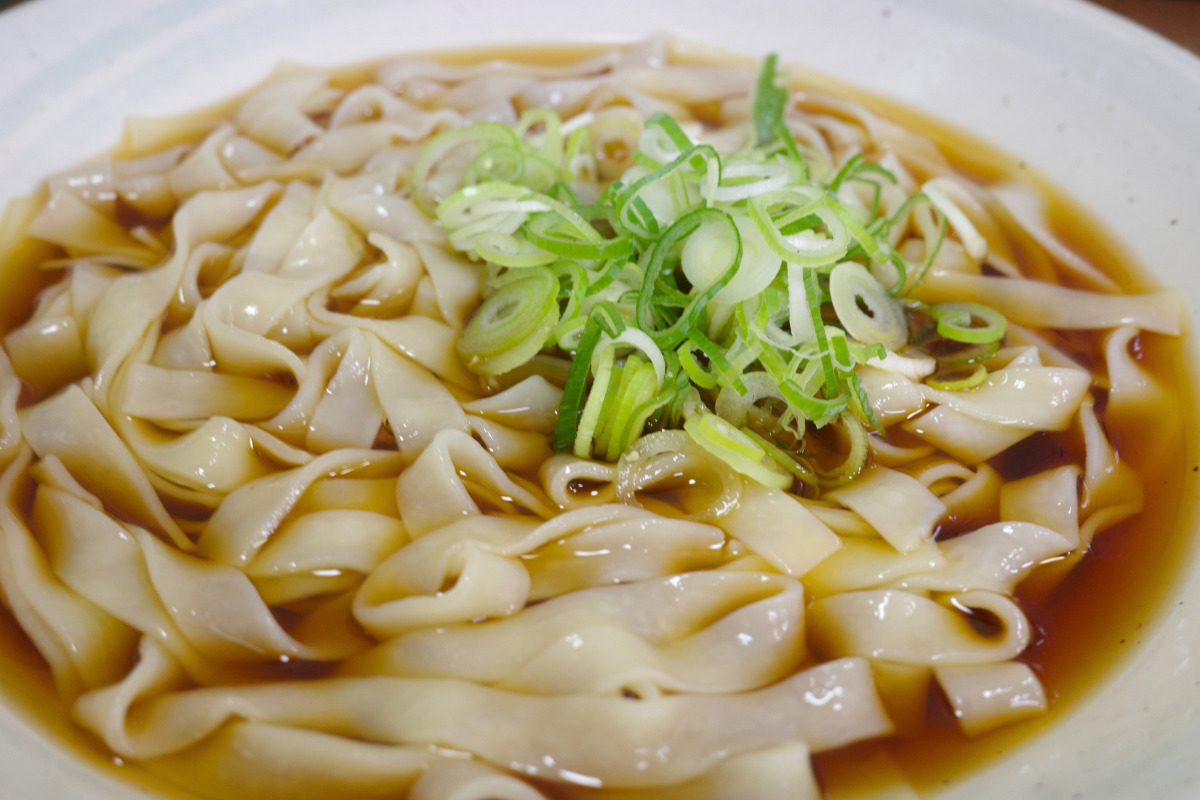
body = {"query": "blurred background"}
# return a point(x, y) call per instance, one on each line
point(1177, 20)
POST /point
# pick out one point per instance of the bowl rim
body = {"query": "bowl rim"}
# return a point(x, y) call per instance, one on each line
point(1109, 57)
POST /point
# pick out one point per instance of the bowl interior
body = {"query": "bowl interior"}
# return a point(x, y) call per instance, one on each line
point(1104, 109)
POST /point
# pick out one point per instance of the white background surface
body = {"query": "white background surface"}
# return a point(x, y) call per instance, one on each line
point(1104, 108)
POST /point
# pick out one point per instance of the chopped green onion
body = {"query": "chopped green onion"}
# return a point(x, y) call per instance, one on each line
point(507, 251)
point(865, 309)
point(730, 294)
point(856, 455)
point(970, 354)
point(696, 373)
point(735, 448)
point(708, 252)
point(973, 242)
point(512, 325)
point(665, 251)
point(503, 163)
point(567, 424)
point(971, 323)
point(783, 458)
point(734, 404)
point(770, 101)
point(633, 405)
point(549, 141)
point(773, 211)
point(958, 380)
point(481, 135)
point(812, 293)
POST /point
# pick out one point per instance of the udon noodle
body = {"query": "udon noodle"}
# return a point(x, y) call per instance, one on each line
point(274, 540)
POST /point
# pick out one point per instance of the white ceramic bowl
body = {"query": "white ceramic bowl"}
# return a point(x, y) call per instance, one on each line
point(1102, 107)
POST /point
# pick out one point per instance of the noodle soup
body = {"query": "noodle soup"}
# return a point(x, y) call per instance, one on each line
point(275, 535)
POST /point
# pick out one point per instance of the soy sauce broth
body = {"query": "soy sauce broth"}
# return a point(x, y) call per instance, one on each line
point(1084, 628)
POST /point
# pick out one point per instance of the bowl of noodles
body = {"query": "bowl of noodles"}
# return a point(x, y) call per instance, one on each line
point(527, 401)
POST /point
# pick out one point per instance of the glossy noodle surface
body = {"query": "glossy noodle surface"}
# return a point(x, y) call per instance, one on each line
point(274, 540)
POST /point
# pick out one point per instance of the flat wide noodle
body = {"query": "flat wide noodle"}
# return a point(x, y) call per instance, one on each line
point(273, 539)
point(620, 741)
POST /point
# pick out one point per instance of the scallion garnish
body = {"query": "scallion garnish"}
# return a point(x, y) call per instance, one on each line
point(512, 325)
point(734, 296)
point(968, 322)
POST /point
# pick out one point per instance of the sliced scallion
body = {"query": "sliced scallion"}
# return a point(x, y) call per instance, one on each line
point(971, 323)
point(512, 325)
point(733, 446)
point(734, 294)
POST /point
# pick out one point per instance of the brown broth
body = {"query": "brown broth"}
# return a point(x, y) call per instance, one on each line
point(1083, 630)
